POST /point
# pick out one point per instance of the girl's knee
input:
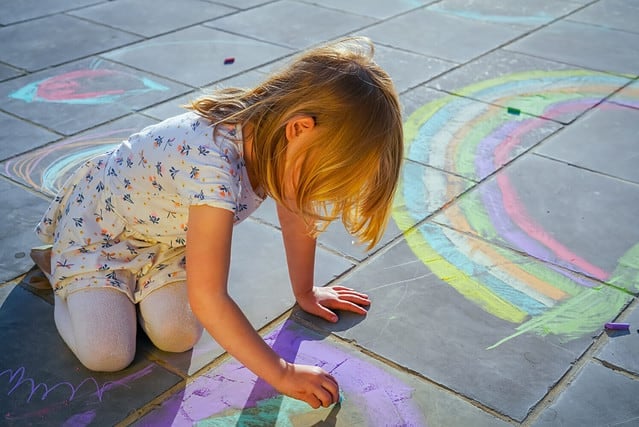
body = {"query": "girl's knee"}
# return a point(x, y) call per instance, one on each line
point(167, 319)
point(106, 358)
point(173, 337)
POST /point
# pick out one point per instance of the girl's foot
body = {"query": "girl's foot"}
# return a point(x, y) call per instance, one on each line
point(41, 255)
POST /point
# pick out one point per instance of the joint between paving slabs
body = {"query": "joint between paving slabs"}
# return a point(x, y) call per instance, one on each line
point(555, 390)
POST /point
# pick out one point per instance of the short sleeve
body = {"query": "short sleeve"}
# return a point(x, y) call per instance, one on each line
point(213, 174)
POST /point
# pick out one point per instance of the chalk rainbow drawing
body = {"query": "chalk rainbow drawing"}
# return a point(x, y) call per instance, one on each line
point(47, 168)
point(472, 139)
point(86, 86)
point(231, 395)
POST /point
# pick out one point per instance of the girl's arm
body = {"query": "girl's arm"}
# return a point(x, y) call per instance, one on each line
point(300, 257)
point(208, 255)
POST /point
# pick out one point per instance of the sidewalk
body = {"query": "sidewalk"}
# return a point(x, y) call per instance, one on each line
point(514, 236)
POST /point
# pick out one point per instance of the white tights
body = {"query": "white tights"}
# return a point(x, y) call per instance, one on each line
point(99, 324)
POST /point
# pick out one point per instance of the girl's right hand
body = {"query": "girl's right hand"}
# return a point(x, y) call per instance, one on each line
point(310, 384)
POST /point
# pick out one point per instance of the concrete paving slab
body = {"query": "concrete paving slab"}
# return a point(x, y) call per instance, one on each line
point(52, 40)
point(428, 32)
point(597, 396)
point(159, 16)
point(584, 45)
point(407, 69)
point(372, 394)
point(204, 49)
point(20, 211)
point(628, 96)
point(443, 301)
point(7, 72)
point(242, 4)
point(514, 13)
point(603, 140)
point(304, 24)
point(84, 94)
point(17, 11)
point(530, 85)
point(259, 284)
point(379, 9)
point(617, 14)
point(574, 227)
point(22, 136)
point(622, 347)
point(47, 168)
point(42, 383)
point(468, 326)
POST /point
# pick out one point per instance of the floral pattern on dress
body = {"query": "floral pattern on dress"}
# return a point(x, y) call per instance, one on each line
point(121, 219)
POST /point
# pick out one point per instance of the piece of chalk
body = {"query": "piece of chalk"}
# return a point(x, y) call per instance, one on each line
point(617, 326)
point(514, 111)
point(228, 61)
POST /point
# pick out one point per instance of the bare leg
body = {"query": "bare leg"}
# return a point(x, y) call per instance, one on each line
point(166, 317)
point(99, 326)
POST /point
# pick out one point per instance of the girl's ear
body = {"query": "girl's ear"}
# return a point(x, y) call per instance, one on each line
point(298, 125)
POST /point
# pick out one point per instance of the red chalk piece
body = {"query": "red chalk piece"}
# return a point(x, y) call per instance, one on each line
point(228, 61)
point(617, 326)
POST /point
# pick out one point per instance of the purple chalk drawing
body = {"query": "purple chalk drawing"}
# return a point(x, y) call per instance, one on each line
point(18, 381)
point(232, 395)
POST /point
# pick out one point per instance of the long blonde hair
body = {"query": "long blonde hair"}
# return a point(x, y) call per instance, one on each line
point(351, 168)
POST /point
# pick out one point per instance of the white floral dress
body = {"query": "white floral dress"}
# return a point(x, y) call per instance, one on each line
point(121, 219)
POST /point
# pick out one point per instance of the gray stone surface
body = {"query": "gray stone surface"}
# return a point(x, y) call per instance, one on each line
point(43, 383)
point(622, 346)
point(84, 94)
point(292, 24)
point(8, 72)
point(596, 397)
point(204, 49)
point(601, 141)
point(17, 11)
point(628, 96)
point(21, 136)
point(617, 14)
point(159, 17)
point(530, 84)
point(512, 238)
point(575, 229)
point(606, 49)
point(380, 9)
point(53, 40)
point(402, 67)
point(366, 386)
point(469, 39)
point(20, 211)
point(420, 320)
point(512, 13)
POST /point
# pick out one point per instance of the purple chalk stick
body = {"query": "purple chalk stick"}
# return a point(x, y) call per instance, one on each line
point(617, 326)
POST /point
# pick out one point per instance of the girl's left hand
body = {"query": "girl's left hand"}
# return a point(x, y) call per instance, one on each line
point(321, 301)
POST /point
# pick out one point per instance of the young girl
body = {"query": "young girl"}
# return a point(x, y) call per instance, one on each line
point(150, 224)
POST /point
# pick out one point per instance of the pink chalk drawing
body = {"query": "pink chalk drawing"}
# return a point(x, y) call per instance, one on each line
point(86, 86)
point(231, 395)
